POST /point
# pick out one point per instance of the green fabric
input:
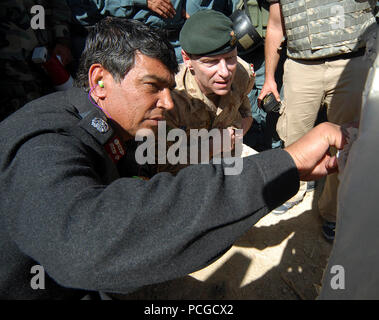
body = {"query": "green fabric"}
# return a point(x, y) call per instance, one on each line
point(207, 32)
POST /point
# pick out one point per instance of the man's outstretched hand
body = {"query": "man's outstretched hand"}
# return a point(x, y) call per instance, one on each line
point(311, 152)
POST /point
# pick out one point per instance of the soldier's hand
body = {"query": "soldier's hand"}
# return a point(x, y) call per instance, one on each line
point(232, 135)
point(268, 86)
point(64, 52)
point(163, 7)
point(225, 144)
point(311, 152)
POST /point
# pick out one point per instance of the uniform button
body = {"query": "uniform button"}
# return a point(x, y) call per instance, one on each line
point(100, 125)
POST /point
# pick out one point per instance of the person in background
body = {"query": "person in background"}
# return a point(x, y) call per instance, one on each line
point(262, 134)
point(165, 15)
point(213, 83)
point(24, 26)
point(326, 68)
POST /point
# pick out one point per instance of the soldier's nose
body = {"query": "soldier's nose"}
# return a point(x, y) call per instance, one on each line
point(223, 70)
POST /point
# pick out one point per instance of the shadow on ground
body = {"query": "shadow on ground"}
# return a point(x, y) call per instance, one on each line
point(297, 274)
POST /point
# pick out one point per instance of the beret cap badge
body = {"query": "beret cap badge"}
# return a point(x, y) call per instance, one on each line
point(233, 39)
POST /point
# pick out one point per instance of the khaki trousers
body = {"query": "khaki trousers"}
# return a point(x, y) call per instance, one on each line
point(310, 85)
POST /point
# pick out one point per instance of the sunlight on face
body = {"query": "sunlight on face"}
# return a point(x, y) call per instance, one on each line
point(141, 98)
point(215, 74)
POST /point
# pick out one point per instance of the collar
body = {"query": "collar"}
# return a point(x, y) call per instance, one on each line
point(94, 121)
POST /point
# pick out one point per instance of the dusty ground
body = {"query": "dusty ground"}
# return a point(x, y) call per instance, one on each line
point(281, 257)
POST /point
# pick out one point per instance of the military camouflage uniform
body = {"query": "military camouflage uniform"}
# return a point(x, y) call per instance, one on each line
point(21, 79)
point(194, 110)
point(326, 69)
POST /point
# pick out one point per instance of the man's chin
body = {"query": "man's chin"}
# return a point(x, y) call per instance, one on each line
point(148, 129)
point(221, 92)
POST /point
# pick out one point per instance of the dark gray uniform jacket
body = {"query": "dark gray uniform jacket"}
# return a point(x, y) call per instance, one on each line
point(65, 206)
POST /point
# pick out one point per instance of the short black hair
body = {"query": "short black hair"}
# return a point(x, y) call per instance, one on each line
point(113, 43)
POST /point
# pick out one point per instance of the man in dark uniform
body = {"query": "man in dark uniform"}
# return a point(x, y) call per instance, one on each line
point(69, 207)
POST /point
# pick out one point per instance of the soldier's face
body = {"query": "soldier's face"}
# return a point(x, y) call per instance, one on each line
point(214, 74)
point(142, 97)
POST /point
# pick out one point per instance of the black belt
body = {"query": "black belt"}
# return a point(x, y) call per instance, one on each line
point(360, 52)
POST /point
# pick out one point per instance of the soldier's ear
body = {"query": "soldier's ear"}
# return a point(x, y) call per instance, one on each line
point(187, 60)
point(96, 81)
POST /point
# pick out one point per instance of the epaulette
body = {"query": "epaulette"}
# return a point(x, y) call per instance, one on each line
point(94, 122)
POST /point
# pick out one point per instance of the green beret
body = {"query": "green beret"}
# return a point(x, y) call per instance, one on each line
point(207, 32)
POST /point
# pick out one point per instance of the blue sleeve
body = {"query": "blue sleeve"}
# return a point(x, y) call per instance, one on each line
point(119, 8)
point(89, 12)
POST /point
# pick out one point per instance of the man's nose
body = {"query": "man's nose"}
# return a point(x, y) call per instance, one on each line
point(165, 100)
point(223, 70)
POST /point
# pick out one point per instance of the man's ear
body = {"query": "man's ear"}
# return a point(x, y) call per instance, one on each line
point(187, 60)
point(98, 86)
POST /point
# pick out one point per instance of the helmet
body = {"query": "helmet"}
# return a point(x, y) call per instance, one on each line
point(248, 39)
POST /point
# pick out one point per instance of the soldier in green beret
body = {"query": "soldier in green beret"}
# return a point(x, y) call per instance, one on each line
point(212, 85)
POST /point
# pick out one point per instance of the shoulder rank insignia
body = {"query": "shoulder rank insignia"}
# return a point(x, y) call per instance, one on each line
point(115, 149)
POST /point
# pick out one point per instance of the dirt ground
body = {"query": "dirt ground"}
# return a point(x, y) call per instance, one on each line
point(281, 257)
